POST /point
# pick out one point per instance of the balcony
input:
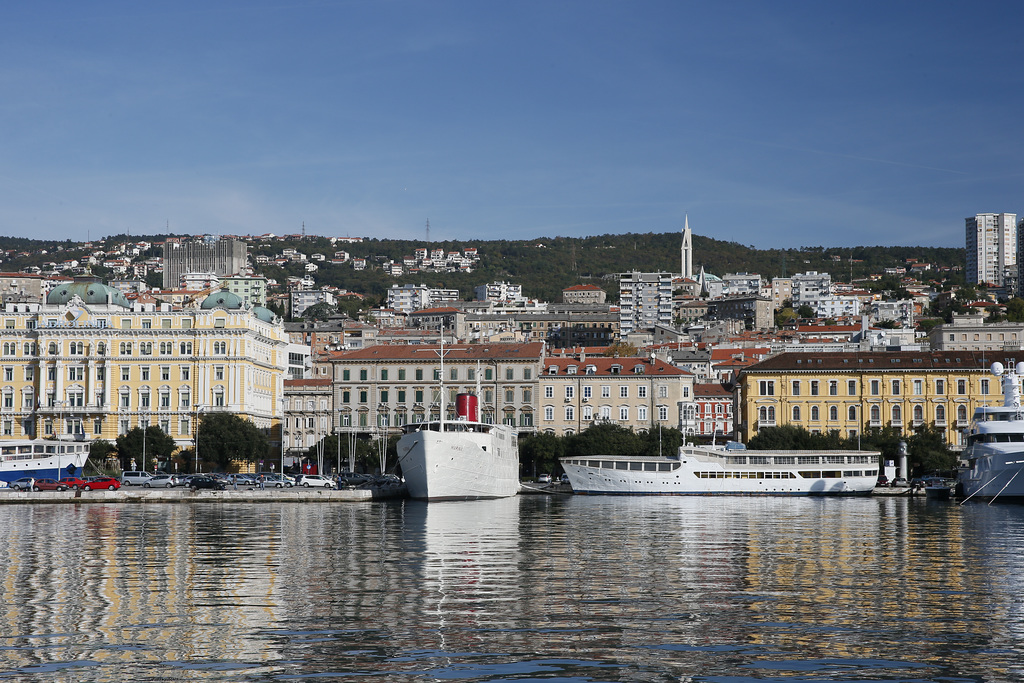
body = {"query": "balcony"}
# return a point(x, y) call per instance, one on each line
point(962, 423)
point(896, 423)
point(874, 423)
point(765, 423)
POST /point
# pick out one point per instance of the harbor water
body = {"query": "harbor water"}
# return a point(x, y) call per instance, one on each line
point(720, 589)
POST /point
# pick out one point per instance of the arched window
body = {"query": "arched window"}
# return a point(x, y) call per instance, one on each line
point(815, 416)
point(961, 413)
point(833, 413)
point(940, 413)
point(796, 413)
point(851, 413)
point(897, 414)
point(874, 414)
point(918, 413)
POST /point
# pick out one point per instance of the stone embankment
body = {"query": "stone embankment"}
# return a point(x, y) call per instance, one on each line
point(128, 495)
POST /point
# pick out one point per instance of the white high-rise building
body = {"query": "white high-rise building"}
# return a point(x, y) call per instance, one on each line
point(991, 247)
point(645, 300)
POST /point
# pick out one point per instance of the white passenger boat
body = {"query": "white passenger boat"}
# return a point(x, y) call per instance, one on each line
point(461, 459)
point(994, 456)
point(731, 470)
point(42, 458)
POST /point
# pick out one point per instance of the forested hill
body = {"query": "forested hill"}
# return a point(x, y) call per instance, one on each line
point(544, 266)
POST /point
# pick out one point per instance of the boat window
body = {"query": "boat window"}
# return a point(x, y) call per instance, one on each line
point(650, 467)
point(636, 465)
point(622, 465)
point(607, 465)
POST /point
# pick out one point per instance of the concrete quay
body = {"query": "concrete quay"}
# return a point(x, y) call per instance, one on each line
point(137, 495)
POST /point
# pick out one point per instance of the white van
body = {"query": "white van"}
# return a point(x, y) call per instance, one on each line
point(135, 478)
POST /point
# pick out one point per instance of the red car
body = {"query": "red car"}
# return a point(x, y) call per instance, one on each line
point(49, 485)
point(73, 483)
point(108, 483)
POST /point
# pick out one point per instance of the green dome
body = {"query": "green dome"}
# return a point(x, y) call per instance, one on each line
point(91, 292)
point(264, 314)
point(223, 299)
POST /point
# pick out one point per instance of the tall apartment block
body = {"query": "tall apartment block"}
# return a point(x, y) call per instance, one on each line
point(991, 247)
point(211, 255)
point(645, 300)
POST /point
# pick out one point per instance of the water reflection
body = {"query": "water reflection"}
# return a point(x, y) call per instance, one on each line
point(529, 587)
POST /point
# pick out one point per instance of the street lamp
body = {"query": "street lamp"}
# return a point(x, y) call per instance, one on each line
point(199, 410)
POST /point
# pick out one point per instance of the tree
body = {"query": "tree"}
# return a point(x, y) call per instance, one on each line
point(622, 350)
point(540, 452)
point(604, 439)
point(226, 438)
point(100, 451)
point(805, 311)
point(320, 311)
point(158, 446)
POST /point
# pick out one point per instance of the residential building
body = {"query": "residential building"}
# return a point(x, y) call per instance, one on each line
point(584, 294)
point(499, 292)
point(991, 247)
point(740, 284)
point(21, 288)
point(851, 392)
point(252, 289)
point(384, 387)
point(209, 255)
point(308, 412)
point(645, 300)
point(808, 288)
point(755, 311)
point(970, 332)
point(712, 412)
point(636, 393)
point(301, 299)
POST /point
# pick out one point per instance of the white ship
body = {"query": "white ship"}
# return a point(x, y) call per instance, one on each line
point(461, 459)
point(994, 455)
point(42, 459)
point(731, 470)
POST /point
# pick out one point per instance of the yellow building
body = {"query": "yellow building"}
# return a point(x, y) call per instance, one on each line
point(90, 364)
point(851, 392)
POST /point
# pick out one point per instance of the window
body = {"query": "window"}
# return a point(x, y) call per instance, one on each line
point(549, 392)
point(549, 413)
point(527, 373)
point(218, 372)
point(146, 348)
point(940, 413)
point(814, 387)
point(453, 374)
point(419, 396)
point(641, 391)
point(623, 413)
point(895, 387)
point(814, 413)
point(851, 387)
point(185, 348)
point(401, 375)
point(767, 387)
point(346, 375)
point(126, 373)
point(796, 387)
point(30, 373)
point(362, 396)
point(384, 396)
point(833, 388)
point(662, 413)
point(401, 395)
point(851, 413)
point(147, 324)
point(165, 373)
point(570, 413)
point(897, 415)
point(346, 397)
point(510, 396)
point(833, 413)
point(641, 413)
point(510, 373)
point(940, 386)
point(874, 387)
point(984, 386)
point(8, 374)
point(918, 414)
point(384, 375)
point(527, 396)
point(875, 412)
point(663, 391)
point(419, 374)
point(623, 391)
point(606, 391)
point(961, 386)
point(145, 373)
point(961, 413)
point(570, 391)
point(918, 387)
point(76, 374)
point(362, 375)
point(144, 399)
point(186, 373)
point(588, 392)
point(796, 413)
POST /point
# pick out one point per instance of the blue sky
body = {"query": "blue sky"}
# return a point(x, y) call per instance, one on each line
point(768, 123)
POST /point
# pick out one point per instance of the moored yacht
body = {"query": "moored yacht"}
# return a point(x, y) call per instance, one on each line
point(994, 455)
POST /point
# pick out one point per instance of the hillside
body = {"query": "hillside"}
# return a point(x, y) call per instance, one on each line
point(544, 266)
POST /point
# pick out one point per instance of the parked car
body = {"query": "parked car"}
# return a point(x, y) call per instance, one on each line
point(73, 483)
point(900, 481)
point(23, 484)
point(882, 480)
point(204, 482)
point(102, 482)
point(49, 485)
point(275, 480)
point(564, 479)
point(241, 479)
point(544, 479)
point(132, 478)
point(316, 480)
point(161, 480)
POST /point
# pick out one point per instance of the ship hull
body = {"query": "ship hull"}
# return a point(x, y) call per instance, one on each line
point(459, 461)
point(41, 459)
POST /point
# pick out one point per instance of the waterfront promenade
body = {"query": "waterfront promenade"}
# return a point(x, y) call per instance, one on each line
point(184, 495)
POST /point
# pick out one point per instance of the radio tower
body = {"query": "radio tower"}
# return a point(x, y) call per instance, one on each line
point(428, 231)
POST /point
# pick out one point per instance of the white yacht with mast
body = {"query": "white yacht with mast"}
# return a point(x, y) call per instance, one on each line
point(994, 455)
point(460, 459)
